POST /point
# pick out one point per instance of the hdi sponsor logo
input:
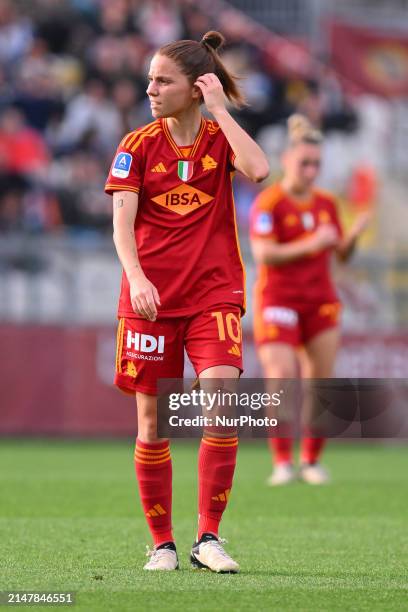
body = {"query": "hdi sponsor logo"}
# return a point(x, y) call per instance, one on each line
point(145, 343)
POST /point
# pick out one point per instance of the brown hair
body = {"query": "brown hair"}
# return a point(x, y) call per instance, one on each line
point(301, 130)
point(197, 58)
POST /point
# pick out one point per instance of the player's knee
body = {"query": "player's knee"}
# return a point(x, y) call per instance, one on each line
point(280, 371)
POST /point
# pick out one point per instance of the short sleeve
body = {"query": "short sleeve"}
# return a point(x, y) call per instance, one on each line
point(126, 171)
point(336, 218)
point(229, 154)
point(231, 157)
point(261, 221)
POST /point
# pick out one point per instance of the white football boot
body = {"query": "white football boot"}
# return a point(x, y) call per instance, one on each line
point(163, 558)
point(209, 553)
point(314, 474)
point(283, 473)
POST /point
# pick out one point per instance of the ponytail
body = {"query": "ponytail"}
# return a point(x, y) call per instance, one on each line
point(301, 130)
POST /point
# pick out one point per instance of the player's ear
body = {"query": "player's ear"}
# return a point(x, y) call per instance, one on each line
point(197, 94)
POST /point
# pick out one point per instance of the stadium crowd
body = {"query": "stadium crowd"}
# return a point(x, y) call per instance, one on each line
point(72, 75)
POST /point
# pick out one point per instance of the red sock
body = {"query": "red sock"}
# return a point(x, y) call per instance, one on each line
point(216, 464)
point(281, 443)
point(281, 449)
point(154, 473)
point(312, 449)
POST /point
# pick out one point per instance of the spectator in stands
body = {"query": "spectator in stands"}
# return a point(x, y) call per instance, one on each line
point(91, 119)
point(23, 151)
point(25, 202)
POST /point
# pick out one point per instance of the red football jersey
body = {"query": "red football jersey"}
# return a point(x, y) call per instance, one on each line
point(277, 216)
point(185, 226)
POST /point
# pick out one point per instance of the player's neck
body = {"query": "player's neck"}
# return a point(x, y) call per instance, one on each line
point(184, 128)
point(292, 190)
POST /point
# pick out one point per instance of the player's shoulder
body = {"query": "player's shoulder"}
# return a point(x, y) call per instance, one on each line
point(212, 128)
point(132, 140)
point(324, 196)
point(269, 198)
point(213, 133)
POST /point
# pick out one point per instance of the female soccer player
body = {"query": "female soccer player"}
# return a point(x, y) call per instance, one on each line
point(182, 284)
point(294, 230)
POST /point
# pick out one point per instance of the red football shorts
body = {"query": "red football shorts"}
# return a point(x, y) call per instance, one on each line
point(294, 325)
point(147, 351)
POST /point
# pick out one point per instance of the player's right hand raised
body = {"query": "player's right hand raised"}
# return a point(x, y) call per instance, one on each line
point(326, 236)
point(144, 298)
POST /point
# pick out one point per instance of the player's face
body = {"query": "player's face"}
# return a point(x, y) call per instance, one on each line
point(302, 164)
point(169, 90)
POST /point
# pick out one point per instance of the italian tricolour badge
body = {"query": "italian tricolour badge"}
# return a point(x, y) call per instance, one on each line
point(185, 170)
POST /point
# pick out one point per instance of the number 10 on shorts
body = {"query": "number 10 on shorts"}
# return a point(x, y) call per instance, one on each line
point(228, 323)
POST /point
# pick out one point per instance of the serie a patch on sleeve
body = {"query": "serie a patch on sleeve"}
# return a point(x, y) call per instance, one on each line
point(121, 165)
point(263, 223)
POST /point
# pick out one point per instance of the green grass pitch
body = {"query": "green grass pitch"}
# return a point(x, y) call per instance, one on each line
point(70, 520)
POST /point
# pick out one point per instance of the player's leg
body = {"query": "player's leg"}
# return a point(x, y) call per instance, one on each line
point(320, 351)
point(216, 466)
point(153, 469)
point(214, 345)
point(216, 461)
point(147, 351)
point(279, 361)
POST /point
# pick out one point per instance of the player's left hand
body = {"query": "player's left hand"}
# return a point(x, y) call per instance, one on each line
point(361, 223)
point(213, 93)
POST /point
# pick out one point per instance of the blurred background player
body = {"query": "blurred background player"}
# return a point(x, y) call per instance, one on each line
point(183, 280)
point(294, 231)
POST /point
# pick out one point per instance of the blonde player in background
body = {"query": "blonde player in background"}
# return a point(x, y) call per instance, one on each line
point(295, 231)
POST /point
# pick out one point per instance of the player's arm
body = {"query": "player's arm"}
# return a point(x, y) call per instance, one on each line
point(143, 294)
point(347, 245)
point(267, 251)
point(249, 157)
